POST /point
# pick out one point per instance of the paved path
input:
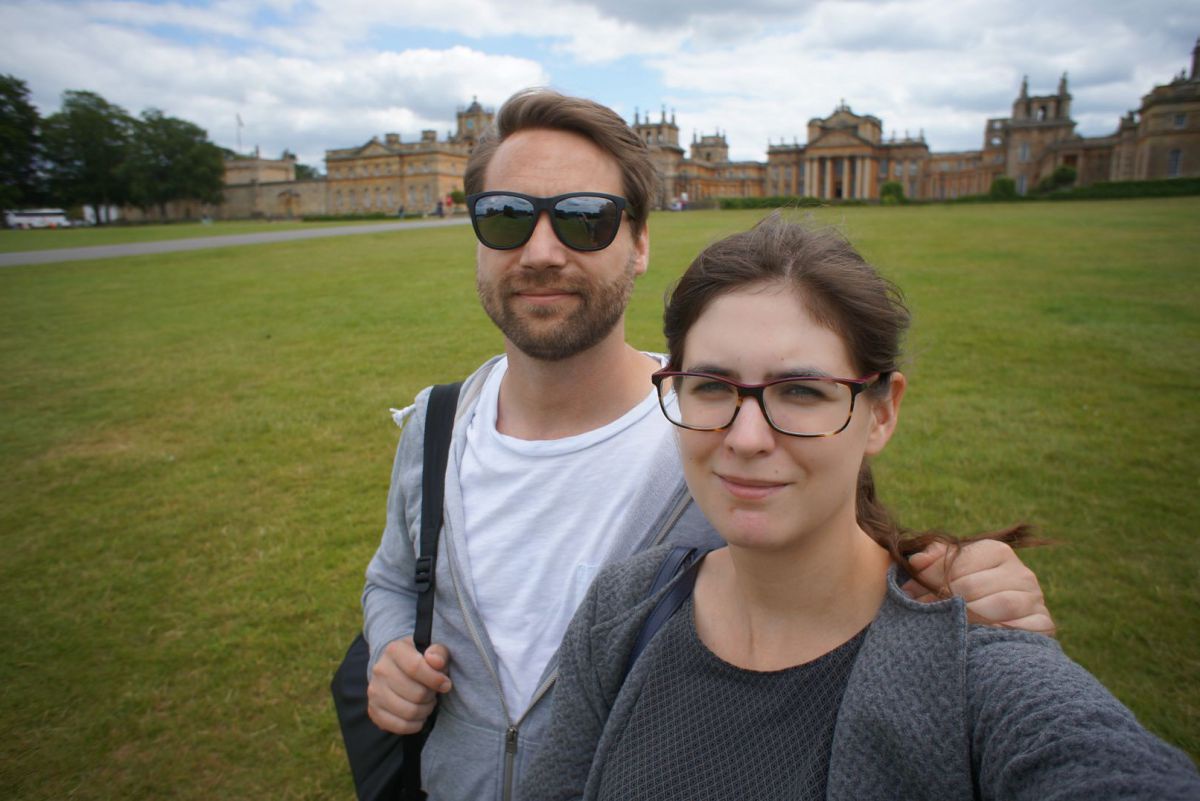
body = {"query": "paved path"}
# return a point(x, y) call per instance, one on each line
point(200, 243)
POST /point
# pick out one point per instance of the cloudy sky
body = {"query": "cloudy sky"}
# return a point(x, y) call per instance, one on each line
point(307, 75)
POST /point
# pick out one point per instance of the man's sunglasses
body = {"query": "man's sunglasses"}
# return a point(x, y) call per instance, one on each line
point(581, 220)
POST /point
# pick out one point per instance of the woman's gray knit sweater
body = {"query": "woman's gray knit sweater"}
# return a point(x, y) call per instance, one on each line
point(934, 709)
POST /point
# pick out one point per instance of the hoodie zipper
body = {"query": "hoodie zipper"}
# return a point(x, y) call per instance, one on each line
point(510, 758)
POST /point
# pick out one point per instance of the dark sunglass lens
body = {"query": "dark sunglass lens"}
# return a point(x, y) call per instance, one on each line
point(586, 222)
point(503, 221)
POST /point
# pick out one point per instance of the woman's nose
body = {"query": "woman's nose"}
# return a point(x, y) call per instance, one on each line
point(750, 432)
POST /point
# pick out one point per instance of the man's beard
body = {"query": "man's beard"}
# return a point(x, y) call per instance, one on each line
point(599, 308)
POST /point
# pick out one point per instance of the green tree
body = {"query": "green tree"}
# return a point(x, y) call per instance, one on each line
point(304, 172)
point(19, 145)
point(171, 159)
point(1063, 177)
point(85, 145)
point(891, 193)
point(458, 196)
point(1003, 188)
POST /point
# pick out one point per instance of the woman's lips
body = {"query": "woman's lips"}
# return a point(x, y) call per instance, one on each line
point(749, 489)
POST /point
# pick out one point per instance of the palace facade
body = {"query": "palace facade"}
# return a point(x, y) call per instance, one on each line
point(394, 176)
point(845, 157)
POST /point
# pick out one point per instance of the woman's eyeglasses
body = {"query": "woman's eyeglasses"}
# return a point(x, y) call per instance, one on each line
point(801, 406)
point(581, 220)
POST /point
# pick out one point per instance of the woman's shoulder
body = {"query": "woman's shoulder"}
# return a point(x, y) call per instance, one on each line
point(624, 584)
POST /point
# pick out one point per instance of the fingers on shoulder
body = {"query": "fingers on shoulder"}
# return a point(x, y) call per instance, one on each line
point(1014, 608)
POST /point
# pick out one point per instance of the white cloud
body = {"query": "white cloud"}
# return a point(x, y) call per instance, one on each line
point(306, 104)
point(321, 74)
point(226, 18)
point(917, 65)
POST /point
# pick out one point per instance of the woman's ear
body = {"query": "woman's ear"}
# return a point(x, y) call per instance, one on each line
point(885, 413)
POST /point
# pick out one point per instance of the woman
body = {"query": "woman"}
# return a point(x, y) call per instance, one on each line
point(798, 669)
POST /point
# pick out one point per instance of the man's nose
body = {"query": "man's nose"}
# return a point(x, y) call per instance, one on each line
point(543, 248)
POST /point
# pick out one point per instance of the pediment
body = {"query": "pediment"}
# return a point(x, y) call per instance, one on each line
point(373, 148)
point(838, 139)
point(843, 118)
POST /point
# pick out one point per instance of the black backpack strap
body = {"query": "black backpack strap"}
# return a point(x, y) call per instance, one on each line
point(439, 425)
point(680, 559)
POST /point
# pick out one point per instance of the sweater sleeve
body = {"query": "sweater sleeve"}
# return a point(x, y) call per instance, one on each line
point(1044, 728)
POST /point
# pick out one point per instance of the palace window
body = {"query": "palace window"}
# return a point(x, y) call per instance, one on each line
point(1180, 120)
point(1024, 152)
point(1175, 163)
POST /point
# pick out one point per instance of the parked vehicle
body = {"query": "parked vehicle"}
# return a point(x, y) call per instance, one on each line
point(37, 218)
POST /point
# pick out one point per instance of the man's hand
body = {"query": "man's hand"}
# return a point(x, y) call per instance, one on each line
point(404, 684)
point(990, 577)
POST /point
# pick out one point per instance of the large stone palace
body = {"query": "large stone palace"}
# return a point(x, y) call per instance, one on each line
point(845, 157)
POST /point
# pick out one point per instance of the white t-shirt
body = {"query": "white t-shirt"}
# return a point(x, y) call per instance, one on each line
point(541, 518)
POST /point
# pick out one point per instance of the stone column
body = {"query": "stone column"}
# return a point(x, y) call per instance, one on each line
point(828, 189)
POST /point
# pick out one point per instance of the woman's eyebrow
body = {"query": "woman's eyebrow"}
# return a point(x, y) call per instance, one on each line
point(788, 372)
point(711, 369)
point(799, 372)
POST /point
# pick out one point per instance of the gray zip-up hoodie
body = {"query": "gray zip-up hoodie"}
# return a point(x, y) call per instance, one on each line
point(479, 747)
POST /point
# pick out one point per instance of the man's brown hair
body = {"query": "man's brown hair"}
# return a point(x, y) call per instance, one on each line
point(547, 109)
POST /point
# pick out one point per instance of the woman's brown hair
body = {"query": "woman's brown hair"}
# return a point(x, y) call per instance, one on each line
point(847, 295)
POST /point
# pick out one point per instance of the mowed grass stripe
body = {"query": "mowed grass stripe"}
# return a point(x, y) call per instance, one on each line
point(197, 448)
point(13, 241)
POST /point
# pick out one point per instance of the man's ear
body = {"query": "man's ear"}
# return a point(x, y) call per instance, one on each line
point(885, 413)
point(641, 250)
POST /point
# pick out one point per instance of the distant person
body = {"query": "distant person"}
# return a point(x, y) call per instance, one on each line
point(560, 462)
point(797, 668)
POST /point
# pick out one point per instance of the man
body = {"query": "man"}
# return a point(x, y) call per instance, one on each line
point(559, 461)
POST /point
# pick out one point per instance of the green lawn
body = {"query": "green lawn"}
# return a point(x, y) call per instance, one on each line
point(12, 241)
point(196, 449)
